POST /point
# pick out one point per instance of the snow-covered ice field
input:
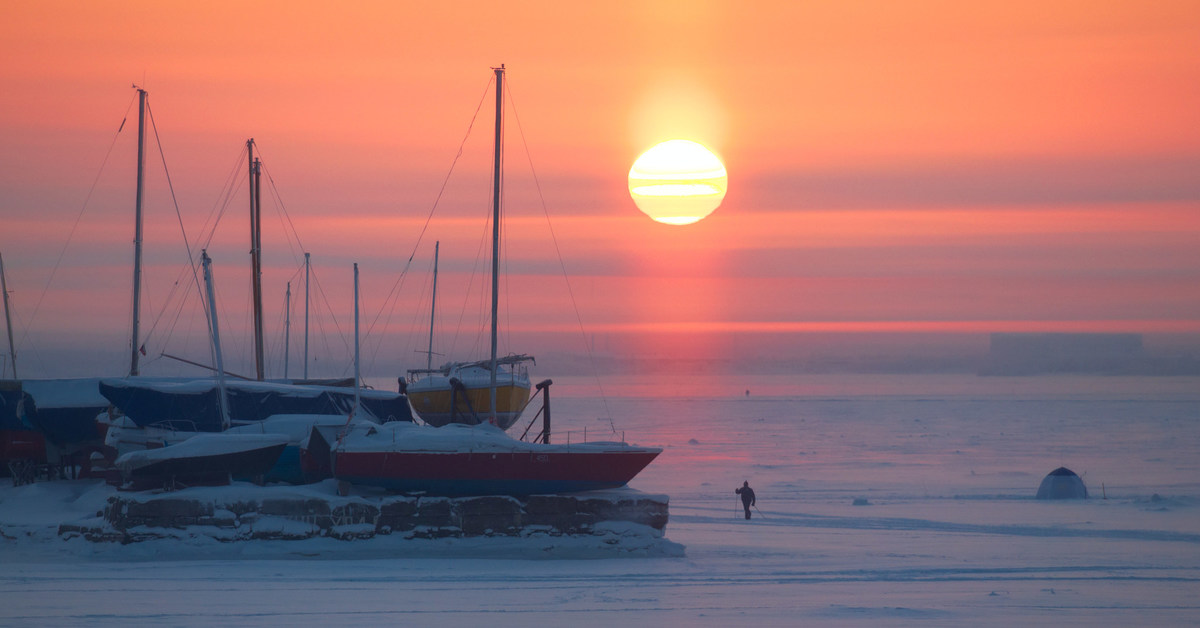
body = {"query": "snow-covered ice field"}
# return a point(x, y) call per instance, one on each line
point(946, 531)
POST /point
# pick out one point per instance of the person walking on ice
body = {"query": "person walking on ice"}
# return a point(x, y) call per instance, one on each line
point(747, 494)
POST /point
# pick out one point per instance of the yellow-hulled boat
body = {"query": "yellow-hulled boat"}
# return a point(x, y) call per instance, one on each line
point(460, 392)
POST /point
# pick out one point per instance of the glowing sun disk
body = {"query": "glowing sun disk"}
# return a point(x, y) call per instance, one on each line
point(677, 182)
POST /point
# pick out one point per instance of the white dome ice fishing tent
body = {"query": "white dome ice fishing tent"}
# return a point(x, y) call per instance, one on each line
point(1062, 483)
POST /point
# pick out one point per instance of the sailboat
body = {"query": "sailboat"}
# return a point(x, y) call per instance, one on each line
point(480, 459)
point(21, 448)
point(458, 392)
point(205, 431)
point(64, 411)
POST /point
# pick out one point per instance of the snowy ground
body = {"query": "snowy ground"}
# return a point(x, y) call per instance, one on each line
point(949, 535)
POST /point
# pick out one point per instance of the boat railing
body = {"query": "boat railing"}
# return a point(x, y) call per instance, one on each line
point(579, 437)
point(542, 389)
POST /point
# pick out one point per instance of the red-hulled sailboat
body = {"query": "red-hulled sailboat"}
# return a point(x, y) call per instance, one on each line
point(458, 459)
point(461, 459)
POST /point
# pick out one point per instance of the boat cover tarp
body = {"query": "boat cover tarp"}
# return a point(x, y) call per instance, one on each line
point(193, 405)
point(64, 410)
point(15, 403)
point(17, 439)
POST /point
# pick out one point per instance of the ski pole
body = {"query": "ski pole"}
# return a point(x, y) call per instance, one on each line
point(759, 511)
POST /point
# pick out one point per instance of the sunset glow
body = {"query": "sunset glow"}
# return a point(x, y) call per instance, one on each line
point(907, 169)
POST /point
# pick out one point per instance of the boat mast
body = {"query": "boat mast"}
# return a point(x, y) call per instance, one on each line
point(256, 255)
point(357, 373)
point(214, 330)
point(306, 267)
point(12, 349)
point(432, 308)
point(287, 327)
point(137, 232)
point(496, 229)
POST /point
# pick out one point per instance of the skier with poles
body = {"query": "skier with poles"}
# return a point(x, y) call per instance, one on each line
point(747, 494)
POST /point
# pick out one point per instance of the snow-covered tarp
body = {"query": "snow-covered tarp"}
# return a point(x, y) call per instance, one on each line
point(296, 427)
point(193, 404)
point(65, 410)
point(200, 446)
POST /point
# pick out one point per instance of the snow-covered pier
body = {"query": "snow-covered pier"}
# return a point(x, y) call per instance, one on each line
point(248, 512)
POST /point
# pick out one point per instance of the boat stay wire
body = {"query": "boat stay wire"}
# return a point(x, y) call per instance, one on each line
point(285, 218)
point(562, 265)
point(482, 308)
point(392, 298)
point(182, 230)
point(78, 218)
point(345, 341)
point(204, 240)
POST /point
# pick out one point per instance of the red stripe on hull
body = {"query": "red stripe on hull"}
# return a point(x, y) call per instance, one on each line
point(477, 473)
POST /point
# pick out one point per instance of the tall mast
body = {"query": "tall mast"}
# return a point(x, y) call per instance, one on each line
point(357, 373)
point(287, 328)
point(306, 267)
point(496, 229)
point(256, 255)
point(214, 330)
point(12, 349)
point(432, 308)
point(137, 232)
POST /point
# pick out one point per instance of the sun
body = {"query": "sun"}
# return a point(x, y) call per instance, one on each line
point(677, 182)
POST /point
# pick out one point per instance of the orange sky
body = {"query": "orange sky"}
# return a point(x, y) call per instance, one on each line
point(969, 167)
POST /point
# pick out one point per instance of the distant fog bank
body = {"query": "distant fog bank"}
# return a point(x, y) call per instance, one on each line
point(999, 354)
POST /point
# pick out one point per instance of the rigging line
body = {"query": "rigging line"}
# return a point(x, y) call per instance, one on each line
point(182, 230)
point(170, 333)
point(321, 336)
point(206, 235)
point(417, 318)
point(348, 364)
point(566, 279)
point(285, 221)
point(504, 235)
point(275, 344)
point(506, 286)
point(280, 208)
point(78, 218)
point(462, 312)
point(393, 298)
point(191, 326)
point(32, 354)
point(332, 316)
point(282, 333)
point(296, 274)
point(396, 287)
point(233, 185)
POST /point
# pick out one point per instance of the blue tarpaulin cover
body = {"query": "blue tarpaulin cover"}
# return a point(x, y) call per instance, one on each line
point(193, 405)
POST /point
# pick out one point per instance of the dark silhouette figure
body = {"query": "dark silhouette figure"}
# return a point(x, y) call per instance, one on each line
point(747, 494)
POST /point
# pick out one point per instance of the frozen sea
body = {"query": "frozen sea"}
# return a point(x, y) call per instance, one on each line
point(883, 500)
